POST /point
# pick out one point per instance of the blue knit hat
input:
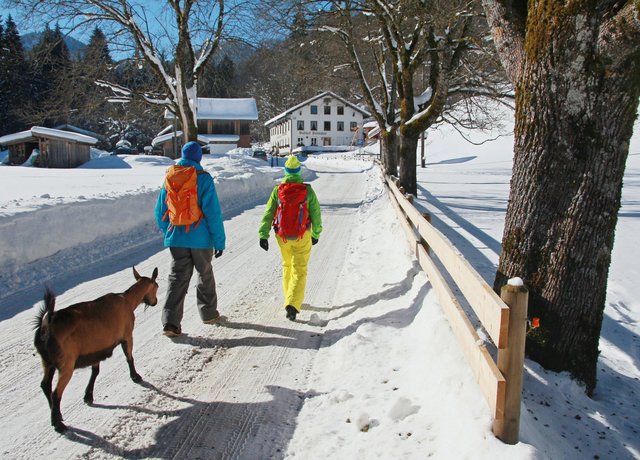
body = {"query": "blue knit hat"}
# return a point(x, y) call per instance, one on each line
point(292, 166)
point(192, 151)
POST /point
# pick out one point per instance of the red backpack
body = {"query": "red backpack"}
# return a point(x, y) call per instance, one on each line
point(181, 185)
point(292, 216)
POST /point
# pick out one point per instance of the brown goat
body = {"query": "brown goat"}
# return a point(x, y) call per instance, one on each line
point(86, 333)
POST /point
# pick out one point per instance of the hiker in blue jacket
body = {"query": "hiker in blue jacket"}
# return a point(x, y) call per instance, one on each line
point(192, 246)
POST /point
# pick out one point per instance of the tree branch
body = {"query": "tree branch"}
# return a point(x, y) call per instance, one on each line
point(619, 37)
point(507, 20)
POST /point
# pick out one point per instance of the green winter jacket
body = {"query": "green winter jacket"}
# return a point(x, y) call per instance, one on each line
point(272, 206)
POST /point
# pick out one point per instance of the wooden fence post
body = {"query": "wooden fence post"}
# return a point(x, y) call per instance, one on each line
point(427, 217)
point(511, 360)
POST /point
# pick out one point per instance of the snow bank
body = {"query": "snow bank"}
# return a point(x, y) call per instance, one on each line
point(44, 211)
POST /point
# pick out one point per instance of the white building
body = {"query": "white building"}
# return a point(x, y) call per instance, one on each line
point(324, 120)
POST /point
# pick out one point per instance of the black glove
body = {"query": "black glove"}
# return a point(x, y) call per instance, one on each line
point(217, 254)
point(264, 244)
point(314, 241)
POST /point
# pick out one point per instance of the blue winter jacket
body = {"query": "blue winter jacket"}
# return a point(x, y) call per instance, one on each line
point(210, 232)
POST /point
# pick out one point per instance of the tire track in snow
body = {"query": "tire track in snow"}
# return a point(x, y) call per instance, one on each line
point(229, 391)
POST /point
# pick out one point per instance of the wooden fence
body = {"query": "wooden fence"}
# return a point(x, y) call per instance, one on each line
point(503, 317)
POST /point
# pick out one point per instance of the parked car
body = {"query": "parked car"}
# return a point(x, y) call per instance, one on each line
point(259, 153)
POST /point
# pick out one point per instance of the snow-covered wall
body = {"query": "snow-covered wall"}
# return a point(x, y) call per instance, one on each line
point(44, 225)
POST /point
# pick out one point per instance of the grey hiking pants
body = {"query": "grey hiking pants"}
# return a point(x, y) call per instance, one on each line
point(184, 261)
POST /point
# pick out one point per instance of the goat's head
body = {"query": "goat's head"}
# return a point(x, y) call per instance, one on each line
point(150, 297)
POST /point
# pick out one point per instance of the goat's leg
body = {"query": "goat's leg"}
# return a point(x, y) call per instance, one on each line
point(64, 375)
point(88, 392)
point(127, 348)
point(47, 379)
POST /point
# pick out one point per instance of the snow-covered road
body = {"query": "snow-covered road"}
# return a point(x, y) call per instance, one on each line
point(226, 391)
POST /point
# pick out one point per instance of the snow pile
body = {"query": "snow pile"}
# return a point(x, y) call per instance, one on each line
point(395, 405)
point(108, 196)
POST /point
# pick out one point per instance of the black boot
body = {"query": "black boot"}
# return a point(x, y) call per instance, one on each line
point(291, 312)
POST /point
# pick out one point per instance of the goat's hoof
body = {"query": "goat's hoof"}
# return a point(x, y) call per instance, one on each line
point(136, 378)
point(60, 427)
point(88, 399)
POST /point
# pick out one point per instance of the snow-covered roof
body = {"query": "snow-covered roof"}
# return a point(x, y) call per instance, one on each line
point(166, 130)
point(224, 109)
point(39, 131)
point(309, 101)
point(233, 138)
point(370, 124)
point(202, 138)
point(374, 131)
point(76, 129)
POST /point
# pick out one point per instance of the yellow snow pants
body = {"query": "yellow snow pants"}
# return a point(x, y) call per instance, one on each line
point(295, 256)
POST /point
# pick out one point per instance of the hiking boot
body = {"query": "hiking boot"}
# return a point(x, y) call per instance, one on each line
point(216, 317)
point(291, 312)
point(171, 331)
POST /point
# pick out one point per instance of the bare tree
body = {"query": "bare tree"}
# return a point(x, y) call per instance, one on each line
point(575, 67)
point(187, 30)
point(408, 40)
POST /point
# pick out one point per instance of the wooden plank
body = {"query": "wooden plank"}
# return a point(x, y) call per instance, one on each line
point(490, 309)
point(404, 223)
point(490, 380)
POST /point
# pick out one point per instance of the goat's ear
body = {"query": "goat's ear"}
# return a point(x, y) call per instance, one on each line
point(136, 274)
point(155, 274)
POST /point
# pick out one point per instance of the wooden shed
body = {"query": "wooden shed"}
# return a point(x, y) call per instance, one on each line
point(56, 148)
point(223, 124)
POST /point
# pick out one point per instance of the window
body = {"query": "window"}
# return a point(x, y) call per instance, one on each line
point(314, 141)
point(340, 110)
point(314, 110)
point(327, 110)
point(300, 125)
point(327, 126)
point(353, 125)
point(300, 142)
point(314, 125)
point(341, 126)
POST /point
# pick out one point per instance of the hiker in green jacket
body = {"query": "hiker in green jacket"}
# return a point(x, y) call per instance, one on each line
point(294, 212)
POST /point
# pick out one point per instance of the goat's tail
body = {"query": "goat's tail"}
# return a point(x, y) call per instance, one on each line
point(43, 319)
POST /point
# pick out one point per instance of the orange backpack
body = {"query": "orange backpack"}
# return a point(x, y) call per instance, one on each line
point(181, 185)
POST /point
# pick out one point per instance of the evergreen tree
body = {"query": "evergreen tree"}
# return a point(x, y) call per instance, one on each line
point(217, 79)
point(15, 76)
point(52, 88)
point(226, 74)
point(97, 51)
point(3, 83)
point(90, 105)
point(299, 24)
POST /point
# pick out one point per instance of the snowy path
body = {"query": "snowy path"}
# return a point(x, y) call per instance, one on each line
point(226, 391)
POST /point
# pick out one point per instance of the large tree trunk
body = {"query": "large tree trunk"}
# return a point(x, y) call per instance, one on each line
point(574, 119)
point(390, 152)
point(408, 159)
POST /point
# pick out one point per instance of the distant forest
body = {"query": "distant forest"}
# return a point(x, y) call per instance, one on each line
point(48, 79)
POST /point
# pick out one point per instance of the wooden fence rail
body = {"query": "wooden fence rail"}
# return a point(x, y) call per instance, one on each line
point(503, 317)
